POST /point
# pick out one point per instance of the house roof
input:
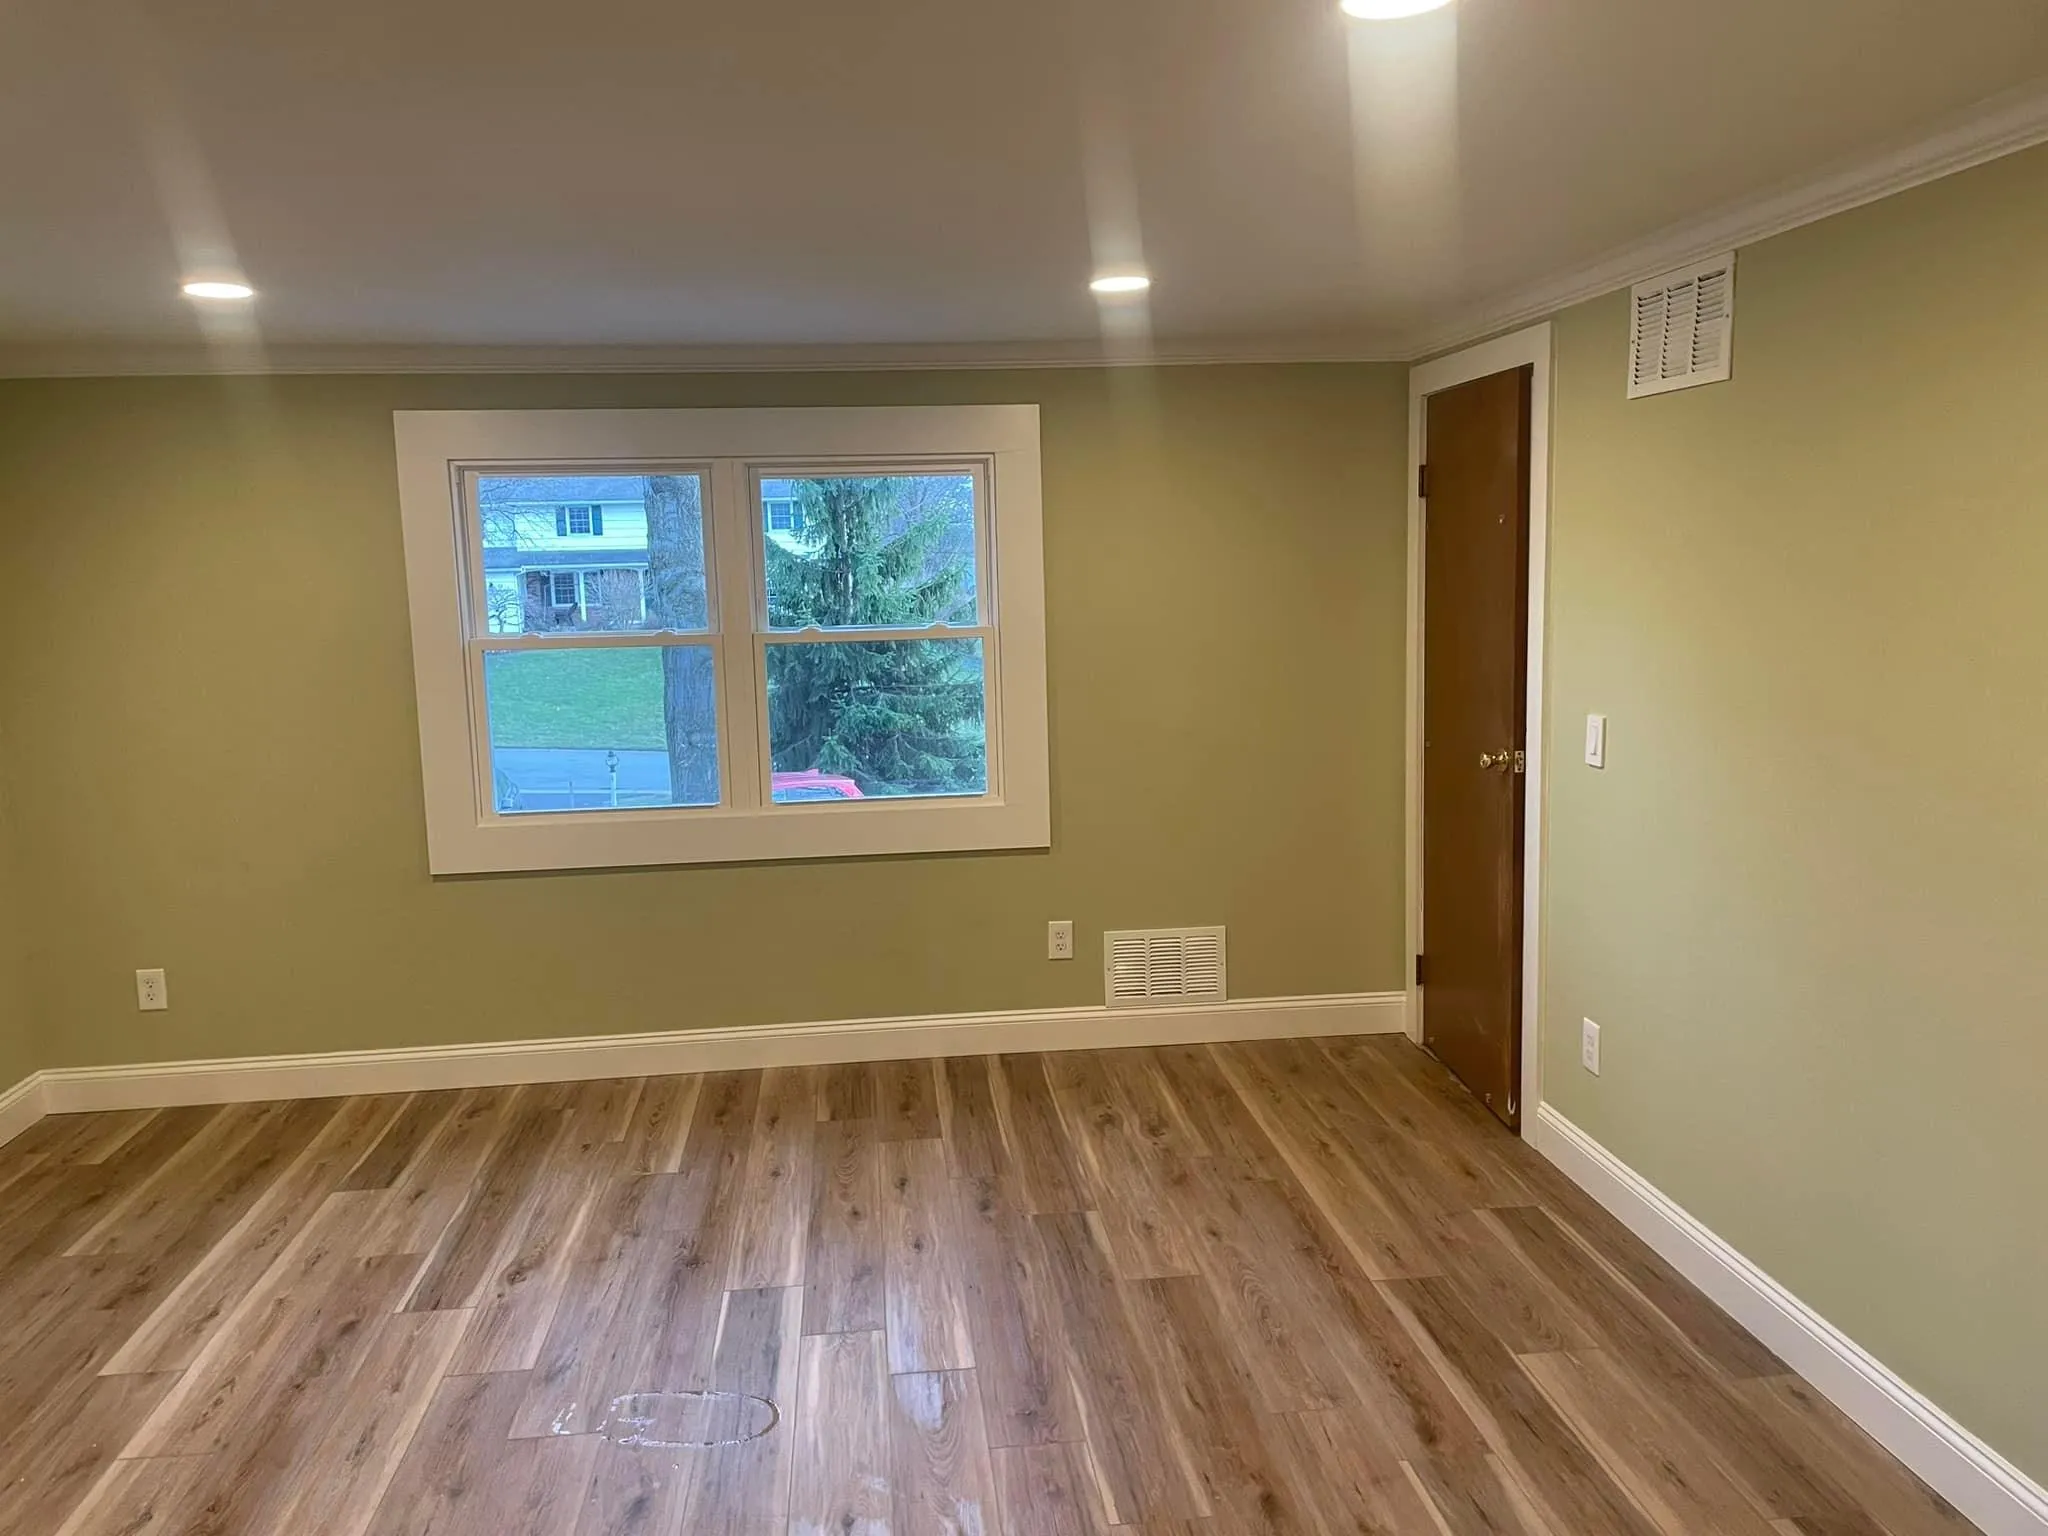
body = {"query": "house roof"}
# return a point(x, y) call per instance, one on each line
point(559, 490)
point(509, 558)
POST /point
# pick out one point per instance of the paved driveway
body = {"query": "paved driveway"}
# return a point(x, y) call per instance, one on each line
point(562, 779)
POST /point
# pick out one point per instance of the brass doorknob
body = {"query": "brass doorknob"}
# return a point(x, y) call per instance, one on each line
point(1501, 761)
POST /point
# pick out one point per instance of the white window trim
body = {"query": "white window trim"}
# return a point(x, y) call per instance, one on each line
point(466, 835)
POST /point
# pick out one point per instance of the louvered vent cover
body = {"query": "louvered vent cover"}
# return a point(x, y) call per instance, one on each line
point(1682, 329)
point(1163, 965)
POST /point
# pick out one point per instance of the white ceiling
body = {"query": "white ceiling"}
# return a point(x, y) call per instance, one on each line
point(437, 174)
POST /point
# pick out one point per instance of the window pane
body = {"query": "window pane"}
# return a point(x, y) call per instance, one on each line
point(602, 728)
point(856, 719)
point(635, 543)
point(869, 551)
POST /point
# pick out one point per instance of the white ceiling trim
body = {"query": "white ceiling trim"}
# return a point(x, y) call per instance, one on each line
point(2000, 126)
point(110, 360)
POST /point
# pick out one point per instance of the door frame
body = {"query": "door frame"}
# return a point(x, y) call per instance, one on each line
point(1530, 348)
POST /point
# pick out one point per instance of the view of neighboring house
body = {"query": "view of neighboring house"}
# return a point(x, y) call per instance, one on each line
point(570, 551)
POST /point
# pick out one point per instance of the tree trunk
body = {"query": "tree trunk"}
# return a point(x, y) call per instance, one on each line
point(675, 600)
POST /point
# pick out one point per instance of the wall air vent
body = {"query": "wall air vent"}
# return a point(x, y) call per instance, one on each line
point(1163, 965)
point(1682, 328)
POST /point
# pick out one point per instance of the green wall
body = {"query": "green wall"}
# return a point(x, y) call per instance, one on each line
point(1807, 900)
point(208, 692)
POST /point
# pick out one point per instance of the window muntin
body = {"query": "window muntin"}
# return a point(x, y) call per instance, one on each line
point(901, 719)
point(884, 549)
point(593, 712)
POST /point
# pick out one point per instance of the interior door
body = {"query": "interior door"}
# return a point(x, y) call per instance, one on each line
point(1475, 635)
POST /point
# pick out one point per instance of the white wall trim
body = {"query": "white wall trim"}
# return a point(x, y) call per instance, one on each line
point(2000, 1498)
point(1992, 129)
point(405, 1070)
point(1529, 348)
point(21, 1107)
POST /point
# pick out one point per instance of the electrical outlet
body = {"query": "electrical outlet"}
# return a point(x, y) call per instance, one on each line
point(1059, 940)
point(1589, 1046)
point(150, 992)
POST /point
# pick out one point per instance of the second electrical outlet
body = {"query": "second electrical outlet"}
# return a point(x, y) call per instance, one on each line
point(1059, 940)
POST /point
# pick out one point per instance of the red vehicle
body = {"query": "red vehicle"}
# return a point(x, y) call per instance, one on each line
point(812, 785)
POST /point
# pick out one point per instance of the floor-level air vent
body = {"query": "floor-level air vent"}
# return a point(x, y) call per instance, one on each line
point(1682, 328)
point(1163, 965)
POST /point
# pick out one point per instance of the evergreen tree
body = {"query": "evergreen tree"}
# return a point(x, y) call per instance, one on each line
point(895, 716)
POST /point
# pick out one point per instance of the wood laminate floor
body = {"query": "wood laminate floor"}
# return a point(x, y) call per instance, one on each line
point(1298, 1287)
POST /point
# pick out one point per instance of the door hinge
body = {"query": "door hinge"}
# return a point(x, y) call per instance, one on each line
point(1421, 971)
point(1422, 481)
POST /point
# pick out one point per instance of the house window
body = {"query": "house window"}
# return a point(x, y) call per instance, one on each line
point(578, 520)
point(730, 695)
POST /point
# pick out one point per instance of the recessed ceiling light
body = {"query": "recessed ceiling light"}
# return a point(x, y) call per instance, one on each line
point(1390, 10)
point(219, 290)
point(1124, 282)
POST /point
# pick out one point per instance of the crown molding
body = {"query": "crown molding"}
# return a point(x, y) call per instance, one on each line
point(1996, 127)
point(143, 360)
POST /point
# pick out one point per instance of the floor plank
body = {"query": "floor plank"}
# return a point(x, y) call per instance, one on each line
point(938, 1448)
point(907, 1100)
point(776, 1198)
point(660, 1125)
point(1041, 1159)
point(1044, 1491)
point(743, 1488)
point(1136, 1451)
point(843, 1264)
point(842, 1461)
point(924, 1296)
point(1014, 1317)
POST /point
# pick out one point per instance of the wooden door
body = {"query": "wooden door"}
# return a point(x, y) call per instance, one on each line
point(1475, 636)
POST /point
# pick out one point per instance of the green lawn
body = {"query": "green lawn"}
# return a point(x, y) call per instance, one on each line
point(600, 698)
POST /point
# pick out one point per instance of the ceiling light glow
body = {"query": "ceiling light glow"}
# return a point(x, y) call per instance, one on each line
point(218, 290)
point(1390, 10)
point(1124, 282)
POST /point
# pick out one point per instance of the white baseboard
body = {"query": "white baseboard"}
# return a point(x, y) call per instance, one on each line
point(1990, 1490)
point(21, 1107)
point(254, 1078)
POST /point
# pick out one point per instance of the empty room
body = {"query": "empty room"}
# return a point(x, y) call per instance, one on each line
point(1175, 767)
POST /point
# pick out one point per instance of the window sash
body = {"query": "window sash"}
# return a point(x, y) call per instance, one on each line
point(980, 470)
point(991, 706)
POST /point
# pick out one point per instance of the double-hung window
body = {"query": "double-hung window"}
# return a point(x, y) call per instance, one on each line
point(817, 633)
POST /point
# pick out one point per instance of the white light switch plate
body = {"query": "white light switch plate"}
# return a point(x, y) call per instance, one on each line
point(1589, 1046)
point(1596, 741)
